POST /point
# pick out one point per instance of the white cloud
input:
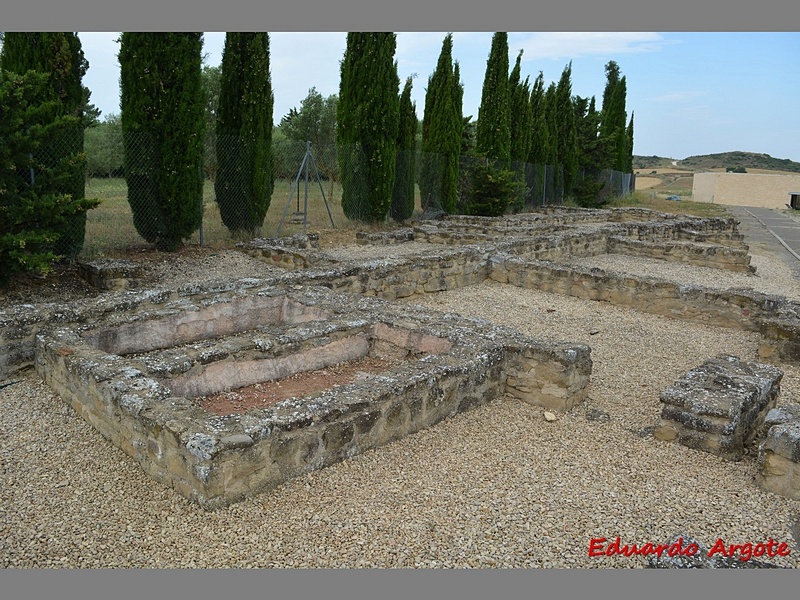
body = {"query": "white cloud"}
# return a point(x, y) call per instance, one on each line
point(569, 45)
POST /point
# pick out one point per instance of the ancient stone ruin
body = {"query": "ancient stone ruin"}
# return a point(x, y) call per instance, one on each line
point(134, 362)
point(720, 406)
point(779, 453)
point(135, 375)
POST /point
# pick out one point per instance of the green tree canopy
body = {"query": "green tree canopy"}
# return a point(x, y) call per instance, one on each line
point(540, 150)
point(442, 129)
point(33, 210)
point(521, 113)
point(567, 129)
point(613, 119)
point(494, 116)
point(404, 180)
point(162, 101)
point(105, 152)
point(367, 123)
point(246, 175)
point(60, 56)
point(315, 122)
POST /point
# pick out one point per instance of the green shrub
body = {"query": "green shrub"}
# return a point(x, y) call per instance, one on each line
point(588, 194)
point(493, 191)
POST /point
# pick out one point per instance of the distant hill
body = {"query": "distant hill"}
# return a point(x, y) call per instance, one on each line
point(724, 160)
point(652, 162)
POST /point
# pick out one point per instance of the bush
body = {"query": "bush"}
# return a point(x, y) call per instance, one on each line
point(492, 191)
point(587, 194)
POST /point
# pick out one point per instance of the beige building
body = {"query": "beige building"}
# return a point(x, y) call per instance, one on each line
point(745, 189)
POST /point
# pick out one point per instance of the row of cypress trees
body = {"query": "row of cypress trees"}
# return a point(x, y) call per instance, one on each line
point(163, 126)
point(519, 124)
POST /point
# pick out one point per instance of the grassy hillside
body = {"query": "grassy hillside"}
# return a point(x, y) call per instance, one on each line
point(724, 160)
point(748, 160)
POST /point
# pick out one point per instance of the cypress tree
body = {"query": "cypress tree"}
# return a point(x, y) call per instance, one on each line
point(404, 181)
point(539, 153)
point(555, 169)
point(589, 143)
point(620, 118)
point(442, 130)
point(613, 118)
point(367, 123)
point(33, 213)
point(612, 78)
point(494, 119)
point(567, 131)
point(521, 114)
point(60, 56)
point(162, 102)
point(245, 177)
point(629, 150)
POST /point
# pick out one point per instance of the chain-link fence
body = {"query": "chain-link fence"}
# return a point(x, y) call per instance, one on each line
point(149, 202)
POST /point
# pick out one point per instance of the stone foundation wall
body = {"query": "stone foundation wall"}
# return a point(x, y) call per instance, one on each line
point(385, 238)
point(779, 453)
point(721, 308)
point(701, 255)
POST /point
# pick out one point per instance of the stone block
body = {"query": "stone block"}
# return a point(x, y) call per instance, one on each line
point(111, 274)
point(720, 406)
point(779, 453)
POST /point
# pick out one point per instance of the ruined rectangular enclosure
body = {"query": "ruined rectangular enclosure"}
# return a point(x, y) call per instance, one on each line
point(134, 375)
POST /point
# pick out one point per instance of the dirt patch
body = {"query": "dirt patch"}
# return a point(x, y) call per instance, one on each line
point(645, 183)
point(62, 284)
point(269, 393)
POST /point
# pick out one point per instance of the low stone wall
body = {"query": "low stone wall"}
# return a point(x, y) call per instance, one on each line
point(722, 308)
point(692, 253)
point(286, 257)
point(780, 334)
point(400, 277)
point(385, 238)
point(215, 460)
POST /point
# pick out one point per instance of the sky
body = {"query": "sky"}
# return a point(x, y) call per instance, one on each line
point(691, 92)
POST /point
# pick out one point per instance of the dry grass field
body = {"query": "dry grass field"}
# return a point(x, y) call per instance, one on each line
point(110, 230)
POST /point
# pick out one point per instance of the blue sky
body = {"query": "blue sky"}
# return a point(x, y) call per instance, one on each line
point(692, 93)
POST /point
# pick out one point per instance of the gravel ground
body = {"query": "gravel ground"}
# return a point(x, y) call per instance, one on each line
point(495, 487)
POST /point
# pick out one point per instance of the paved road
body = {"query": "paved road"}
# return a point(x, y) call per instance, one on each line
point(780, 233)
